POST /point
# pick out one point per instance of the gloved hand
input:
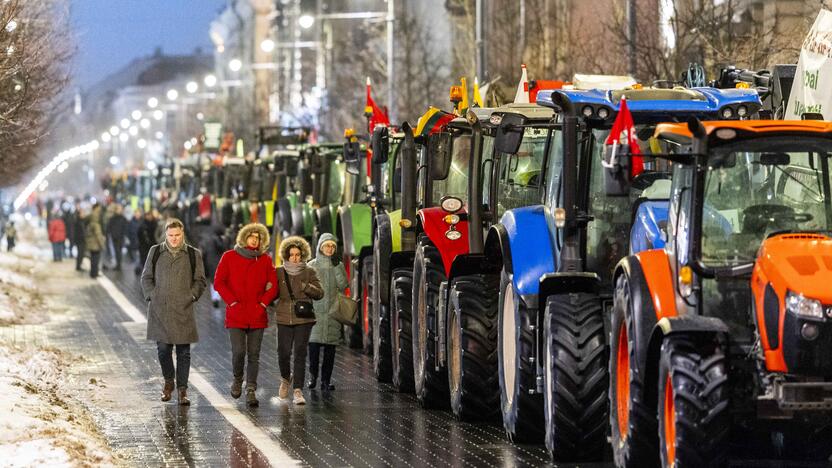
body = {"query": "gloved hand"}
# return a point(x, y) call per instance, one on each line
point(335, 259)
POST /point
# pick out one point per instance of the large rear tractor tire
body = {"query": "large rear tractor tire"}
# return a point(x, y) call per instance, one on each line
point(633, 424)
point(367, 305)
point(431, 384)
point(382, 352)
point(521, 405)
point(472, 348)
point(694, 421)
point(575, 377)
point(401, 331)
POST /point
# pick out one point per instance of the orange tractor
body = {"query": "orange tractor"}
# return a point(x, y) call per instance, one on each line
point(724, 336)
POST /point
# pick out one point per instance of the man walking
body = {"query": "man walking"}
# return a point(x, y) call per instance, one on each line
point(173, 279)
point(95, 240)
point(117, 232)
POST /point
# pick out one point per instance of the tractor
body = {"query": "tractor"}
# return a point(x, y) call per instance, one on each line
point(554, 261)
point(723, 335)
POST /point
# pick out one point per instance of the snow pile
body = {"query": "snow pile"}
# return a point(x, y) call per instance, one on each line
point(42, 423)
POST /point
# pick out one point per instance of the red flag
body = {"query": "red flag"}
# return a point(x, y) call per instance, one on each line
point(377, 115)
point(623, 132)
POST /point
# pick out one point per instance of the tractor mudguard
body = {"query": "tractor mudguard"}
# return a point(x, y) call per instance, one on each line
point(643, 311)
point(470, 264)
point(435, 227)
point(308, 220)
point(565, 283)
point(325, 220)
point(395, 229)
point(648, 225)
point(531, 251)
point(402, 260)
point(298, 228)
point(356, 226)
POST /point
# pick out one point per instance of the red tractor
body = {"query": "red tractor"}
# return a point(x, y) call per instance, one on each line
point(723, 336)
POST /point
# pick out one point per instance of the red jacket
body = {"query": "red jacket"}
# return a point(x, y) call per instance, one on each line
point(57, 230)
point(243, 281)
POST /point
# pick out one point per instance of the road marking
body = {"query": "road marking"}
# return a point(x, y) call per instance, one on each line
point(135, 314)
point(256, 436)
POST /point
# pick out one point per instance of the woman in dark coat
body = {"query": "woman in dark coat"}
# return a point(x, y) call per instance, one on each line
point(293, 331)
point(246, 280)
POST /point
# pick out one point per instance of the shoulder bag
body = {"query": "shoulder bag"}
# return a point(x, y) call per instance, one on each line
point(344, 310)
point(302, 308)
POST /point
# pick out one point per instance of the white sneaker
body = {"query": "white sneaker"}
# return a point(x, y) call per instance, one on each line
point(283, 391)
point(299, 399)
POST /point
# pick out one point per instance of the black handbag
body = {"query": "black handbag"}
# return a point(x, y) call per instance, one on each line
point(302, 308)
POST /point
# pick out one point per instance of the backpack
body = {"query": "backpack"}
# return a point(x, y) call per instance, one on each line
point(191, 258)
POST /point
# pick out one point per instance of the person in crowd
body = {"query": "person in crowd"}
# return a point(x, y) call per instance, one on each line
point(147, 238)
point(107, 212)
point(117, 233)
point(246, 280)
point(212, 243)
point(11, 235)
point(173, 279)
point(57, 236)
point(95, 240)
point(326, 333)
point(80, 233)
point(296, 282)
point(69, 223)
point(133, 235)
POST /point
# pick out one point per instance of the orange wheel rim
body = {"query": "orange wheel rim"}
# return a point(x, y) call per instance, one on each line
point(669, 422)
point(365, 306)
point(622, 383)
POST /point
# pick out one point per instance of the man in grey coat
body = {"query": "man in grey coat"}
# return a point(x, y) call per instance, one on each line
point(173, 279)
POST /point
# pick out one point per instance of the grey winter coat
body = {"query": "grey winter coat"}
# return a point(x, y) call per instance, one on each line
point(171, 295)
point(333, 281)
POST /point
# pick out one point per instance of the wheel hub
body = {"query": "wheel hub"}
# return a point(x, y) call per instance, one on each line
point(509, 343)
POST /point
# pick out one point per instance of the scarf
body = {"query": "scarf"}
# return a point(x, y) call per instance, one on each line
point(294, 268)
point(174, 251)
point(245, 252)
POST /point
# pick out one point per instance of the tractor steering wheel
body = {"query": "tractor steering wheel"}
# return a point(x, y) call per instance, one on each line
point(759, 218)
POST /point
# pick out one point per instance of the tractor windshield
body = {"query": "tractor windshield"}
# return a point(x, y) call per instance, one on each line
point(755, 188)
point(456, 184)
point(520, 175)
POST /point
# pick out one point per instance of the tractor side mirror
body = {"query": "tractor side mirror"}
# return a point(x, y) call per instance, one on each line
point(316, 161)
point(291, 167)
point(381, 145)
point(616, 163)
point(509, 133)
point(439, 152)
point(352, 157)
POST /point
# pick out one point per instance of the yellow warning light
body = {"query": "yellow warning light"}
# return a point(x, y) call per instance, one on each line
point(638, 86)
point(405, 223)
point(349, 132)
point(685, 275)
point(743, 85)
point(368, 110)
point(456, 94)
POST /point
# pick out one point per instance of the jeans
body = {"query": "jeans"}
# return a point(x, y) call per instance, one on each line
point(246, 342)
point(79, 257)
point(329, 361)
point(95, 259)
point(57, 251)
point(117, 248)
point(293, 339)
point(183, 362)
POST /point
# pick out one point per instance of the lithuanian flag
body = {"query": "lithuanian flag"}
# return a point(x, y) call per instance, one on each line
point(432, 121)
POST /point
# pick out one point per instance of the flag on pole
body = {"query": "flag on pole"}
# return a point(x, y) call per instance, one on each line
point(432, 121)
point(376, 115)
point(477, 96)
point(623, 132)
point(522, 95)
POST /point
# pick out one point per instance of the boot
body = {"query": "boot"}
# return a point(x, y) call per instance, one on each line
point(283, 391)
point(251, 398)
point(312, 382)
point(327, 387)
point(167, 390)
point(237, 388)
point(299, 399)
point(183, 396)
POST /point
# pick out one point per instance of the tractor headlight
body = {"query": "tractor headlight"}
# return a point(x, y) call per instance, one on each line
point(803, 306)
point(742, 111)
point(603, 112)
point(727, 113)
point(587, 111)
point(451, 204)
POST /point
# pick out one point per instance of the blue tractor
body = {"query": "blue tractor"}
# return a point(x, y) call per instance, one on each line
point(554, 260)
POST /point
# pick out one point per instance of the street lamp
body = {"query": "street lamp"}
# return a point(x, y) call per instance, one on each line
point(210, 81)
point(158, 114)
point(306, 21)
point(123, 137)
point(235, 65)
point(172, 94)
point(125, 123)
point(267, 46)
point(114, 130)
point(105, 137)
point(136, 114)
point(192, 87)
point(134, 130)
point(152, 103)
point(145, 123)
point(142, 143)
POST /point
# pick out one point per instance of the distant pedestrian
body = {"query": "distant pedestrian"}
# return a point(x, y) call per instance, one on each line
point(212, 243)
point(297, 282)
point(173, 279)
point(69, 223)
point(147, 238)
point(11, 235)
point(327, 331)
point(133, 235)
point(80, 233)
point(57, 236)
point(95, 240)
point(247, 282)
point(117, 233)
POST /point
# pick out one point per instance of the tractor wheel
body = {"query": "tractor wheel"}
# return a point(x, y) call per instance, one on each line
point(575, 377)
point(355, 332)
point(367, 304)
point(382, 354)
point(472, 347)
point(401, 290)
point(521, 406)
point(694, 422)
point(633, 424)
point(431, 385)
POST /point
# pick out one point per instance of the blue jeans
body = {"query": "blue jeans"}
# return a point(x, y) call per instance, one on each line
point(57, 251)
point(183, 362)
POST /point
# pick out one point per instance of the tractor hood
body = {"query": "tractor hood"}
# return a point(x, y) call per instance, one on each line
point(801, 263)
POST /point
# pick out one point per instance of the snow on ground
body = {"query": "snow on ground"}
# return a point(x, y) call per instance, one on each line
point(42, 419)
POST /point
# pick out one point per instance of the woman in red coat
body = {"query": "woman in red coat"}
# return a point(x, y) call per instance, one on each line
point(246, 281)
point(57, 236)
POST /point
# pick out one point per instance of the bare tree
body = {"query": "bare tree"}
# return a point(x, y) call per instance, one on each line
point(35, 50)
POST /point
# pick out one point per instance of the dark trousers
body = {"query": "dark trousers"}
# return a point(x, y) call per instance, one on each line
point(183, 362)
point(329, 361)
point(95, 259)
point(245, 342)
point(9, 243)
point(292, 340)
point(80, 257)
point(57, 251)
point(117, 246)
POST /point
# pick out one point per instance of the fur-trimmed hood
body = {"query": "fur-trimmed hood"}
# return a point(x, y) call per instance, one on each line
point(295, 241)
point(260, 229)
